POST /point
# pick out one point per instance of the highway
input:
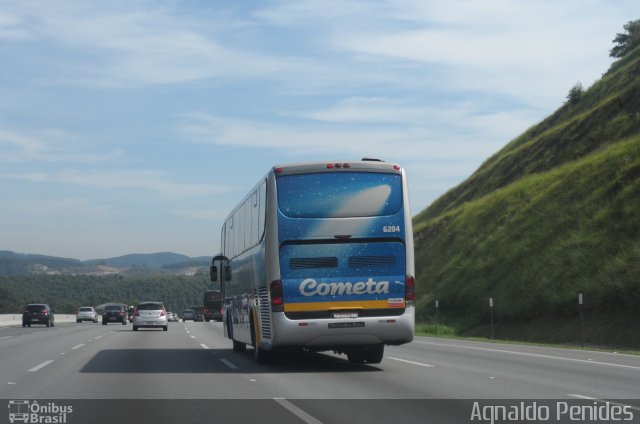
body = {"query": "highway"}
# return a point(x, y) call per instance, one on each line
point(193, 361)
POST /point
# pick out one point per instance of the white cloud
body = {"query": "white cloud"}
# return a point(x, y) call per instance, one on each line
point(133, 43)
point(49, 145)
point(122, 179)
point(202, 214)
point(11, 28)
point(67, 208)
point(373, 126)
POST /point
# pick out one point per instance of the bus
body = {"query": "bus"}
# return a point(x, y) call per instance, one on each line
point(319, 256)
point(212, 305)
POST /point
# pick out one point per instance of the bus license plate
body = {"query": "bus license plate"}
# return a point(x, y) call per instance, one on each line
point(346, 324)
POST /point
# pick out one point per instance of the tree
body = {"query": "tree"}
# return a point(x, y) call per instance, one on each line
point(626, 41)
point(575, 94)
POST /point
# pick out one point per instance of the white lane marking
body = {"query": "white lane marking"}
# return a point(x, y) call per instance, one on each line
point(97, 338)
point(11, 383)
point(77, 346)
point(422, 364)
point(5, 337)
point(297, 411)
point(193, 337)
point(204, 346)
point(536, 355)
point(229, 363)
point(603, 401)
point(40, 366)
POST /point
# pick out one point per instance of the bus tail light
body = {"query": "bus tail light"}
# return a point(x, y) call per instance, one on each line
point(277, 302)
point(410, 293)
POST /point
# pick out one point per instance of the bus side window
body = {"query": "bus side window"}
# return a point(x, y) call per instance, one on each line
point(261, 214)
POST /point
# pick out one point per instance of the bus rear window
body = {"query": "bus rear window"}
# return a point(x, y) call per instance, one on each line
point(339, 194)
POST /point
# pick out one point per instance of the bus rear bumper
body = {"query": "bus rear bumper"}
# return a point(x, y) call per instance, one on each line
point(327, 334)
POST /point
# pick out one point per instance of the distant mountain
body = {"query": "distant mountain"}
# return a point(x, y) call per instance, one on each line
point(141, 260)
point(202, 262)
point(12, 263)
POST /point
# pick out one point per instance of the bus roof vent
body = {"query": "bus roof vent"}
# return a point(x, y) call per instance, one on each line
point(372, 160)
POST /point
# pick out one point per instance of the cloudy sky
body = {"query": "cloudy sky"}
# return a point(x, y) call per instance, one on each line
point(135, 126)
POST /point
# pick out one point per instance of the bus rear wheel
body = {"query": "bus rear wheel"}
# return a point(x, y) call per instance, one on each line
point(370, 355)
point(356, 356)
point(239, 347)
point(375, 354)
point(260, 355)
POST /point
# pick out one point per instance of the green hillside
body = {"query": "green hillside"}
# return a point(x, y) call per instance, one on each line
point(555, 212)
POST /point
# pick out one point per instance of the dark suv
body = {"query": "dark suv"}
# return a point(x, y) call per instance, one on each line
point(38, 313)
point(114, 312)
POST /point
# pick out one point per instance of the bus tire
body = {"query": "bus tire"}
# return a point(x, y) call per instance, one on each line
point(260, 355)
point(356, 356)
point(375, 354)
point(239, 347)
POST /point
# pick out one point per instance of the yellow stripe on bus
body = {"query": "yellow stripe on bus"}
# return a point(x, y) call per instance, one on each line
point(346, 305)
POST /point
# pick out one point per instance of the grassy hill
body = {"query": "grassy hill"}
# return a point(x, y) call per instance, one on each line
point(555, 212)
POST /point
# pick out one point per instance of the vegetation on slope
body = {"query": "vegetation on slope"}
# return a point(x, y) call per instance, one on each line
point(557, 211)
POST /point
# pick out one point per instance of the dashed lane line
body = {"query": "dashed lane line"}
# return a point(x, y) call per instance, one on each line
point(304, 416)
point(40, 366)
point(229, 363)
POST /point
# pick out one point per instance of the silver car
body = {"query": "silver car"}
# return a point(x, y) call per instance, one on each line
point(150, 315)
point(86, 313)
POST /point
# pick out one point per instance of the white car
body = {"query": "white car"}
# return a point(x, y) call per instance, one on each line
point(150, 315)
point(86, 313)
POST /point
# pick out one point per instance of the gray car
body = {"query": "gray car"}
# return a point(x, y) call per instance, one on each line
point(188, 315)
point(150, 315)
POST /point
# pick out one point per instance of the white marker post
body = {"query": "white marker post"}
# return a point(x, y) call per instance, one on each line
point(491, 308)
point(437, 307)
point(581, 306)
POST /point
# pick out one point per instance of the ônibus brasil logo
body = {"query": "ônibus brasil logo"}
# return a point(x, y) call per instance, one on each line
point(310, 287)
point(26, 411)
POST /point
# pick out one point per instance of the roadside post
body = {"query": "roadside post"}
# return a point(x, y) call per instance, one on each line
point(491, 309)
point(581, 306)
point(437, 307)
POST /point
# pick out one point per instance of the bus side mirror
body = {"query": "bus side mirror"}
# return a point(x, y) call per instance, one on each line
point(213, 272)
point(227, 273)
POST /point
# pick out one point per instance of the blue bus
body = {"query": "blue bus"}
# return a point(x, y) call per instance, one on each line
point(319, 256)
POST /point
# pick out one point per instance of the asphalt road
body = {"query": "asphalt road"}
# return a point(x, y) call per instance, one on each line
point(173, 370)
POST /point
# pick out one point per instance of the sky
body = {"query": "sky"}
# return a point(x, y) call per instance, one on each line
point(133, 126)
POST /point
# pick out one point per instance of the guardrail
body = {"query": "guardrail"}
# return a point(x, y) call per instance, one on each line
point(16, 319)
